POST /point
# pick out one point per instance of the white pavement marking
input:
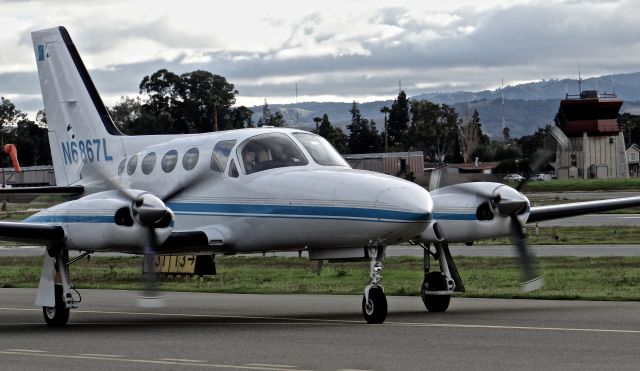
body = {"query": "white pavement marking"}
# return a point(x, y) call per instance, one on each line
point(145, 361)
point(27, 350)
point(499, 327)
point(101, 355)
point(182, 360)
point(268, 365)
point(316, 321)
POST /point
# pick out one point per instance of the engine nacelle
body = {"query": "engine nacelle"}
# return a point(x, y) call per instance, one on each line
point(470, 211)
point(105, 221)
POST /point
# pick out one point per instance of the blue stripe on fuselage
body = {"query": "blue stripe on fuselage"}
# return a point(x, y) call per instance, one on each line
point(70, 219)
point(297, 211)
point(273, 211)
point(454, 216)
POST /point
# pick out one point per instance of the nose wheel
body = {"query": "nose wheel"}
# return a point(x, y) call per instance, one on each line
point(374, 302)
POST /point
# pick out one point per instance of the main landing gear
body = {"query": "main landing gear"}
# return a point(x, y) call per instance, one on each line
point(437, 287)
point(374, 302)
point(54, 290)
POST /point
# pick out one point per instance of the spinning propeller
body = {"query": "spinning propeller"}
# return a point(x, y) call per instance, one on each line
point(508, 202)
point(150, 212)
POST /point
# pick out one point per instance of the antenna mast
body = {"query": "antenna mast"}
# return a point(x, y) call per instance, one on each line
point(297, 118)
point(579, 80)
point(502, 94)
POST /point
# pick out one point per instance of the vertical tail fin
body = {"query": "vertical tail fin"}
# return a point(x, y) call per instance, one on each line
point(80, 129)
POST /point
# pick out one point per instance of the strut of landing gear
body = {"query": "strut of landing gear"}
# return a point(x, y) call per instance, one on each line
point(437, 287)
point(374, 302)
point(58, 314)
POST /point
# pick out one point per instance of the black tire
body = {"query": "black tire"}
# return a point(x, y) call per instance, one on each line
point(435, 281)
point(59, 315)
point(375, 309)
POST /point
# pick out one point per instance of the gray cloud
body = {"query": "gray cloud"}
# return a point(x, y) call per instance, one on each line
point(462, 50)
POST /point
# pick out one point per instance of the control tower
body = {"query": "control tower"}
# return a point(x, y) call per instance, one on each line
point(590, 121)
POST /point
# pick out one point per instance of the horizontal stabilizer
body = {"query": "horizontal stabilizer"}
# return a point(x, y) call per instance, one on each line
point(27, 194)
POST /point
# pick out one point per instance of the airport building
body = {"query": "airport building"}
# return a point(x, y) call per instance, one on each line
point(392, 163)
point(596, 149)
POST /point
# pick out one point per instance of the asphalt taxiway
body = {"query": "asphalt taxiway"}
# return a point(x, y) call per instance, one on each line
point(319, 332)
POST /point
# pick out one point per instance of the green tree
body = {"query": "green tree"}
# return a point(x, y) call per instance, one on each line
point(364, 137)
point(434, 130)
point(31, 139)
point(398, 122)
point(240, 117)
point(317, 120)
point(385, 110)
point(162, 90)
point(334, 135)
point(205, 99)
point(630, 126)
point(471, 136)
point(197, 101)
point(267, 116)
point(277, 120)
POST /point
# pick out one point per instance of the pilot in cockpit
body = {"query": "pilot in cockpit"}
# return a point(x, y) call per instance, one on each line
point(249, 159)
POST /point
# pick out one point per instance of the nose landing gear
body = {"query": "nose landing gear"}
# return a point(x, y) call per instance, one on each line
point(374, 302)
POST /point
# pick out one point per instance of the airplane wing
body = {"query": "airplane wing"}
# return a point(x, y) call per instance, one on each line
point(542, 213)
point(27, 194)
point(31, 232)
point(178, 241)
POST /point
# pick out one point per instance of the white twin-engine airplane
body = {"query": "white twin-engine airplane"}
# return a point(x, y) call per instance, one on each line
point(242, 191)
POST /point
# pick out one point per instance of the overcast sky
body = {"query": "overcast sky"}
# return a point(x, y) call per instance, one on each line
point(334, 50)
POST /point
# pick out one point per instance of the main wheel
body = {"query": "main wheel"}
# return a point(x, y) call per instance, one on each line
point(435, 281)
point(59, 315)
point(374, 310)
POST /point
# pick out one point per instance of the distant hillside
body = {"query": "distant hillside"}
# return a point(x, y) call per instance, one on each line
point(526, 106)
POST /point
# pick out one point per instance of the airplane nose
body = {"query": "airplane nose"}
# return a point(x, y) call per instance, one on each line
point(404, 201)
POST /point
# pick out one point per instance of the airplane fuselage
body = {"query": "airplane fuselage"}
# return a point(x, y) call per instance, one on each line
point(294, 205)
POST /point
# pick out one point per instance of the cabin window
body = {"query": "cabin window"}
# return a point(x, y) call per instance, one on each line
point(190, 158)
point(169, 161)
point(148, 163)
point(233, 170)
point(320, 150)
point(122, 165)
point(131, 166)
point(269, 151)
point(220, 155)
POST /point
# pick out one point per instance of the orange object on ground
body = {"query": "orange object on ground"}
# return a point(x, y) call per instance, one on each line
point(12, 151)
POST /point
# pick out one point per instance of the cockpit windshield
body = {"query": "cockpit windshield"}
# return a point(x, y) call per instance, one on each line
point(268, 151)
point(321, 151)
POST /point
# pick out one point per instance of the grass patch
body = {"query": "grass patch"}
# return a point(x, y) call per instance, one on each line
point(608, 235)
point(602, 278)
point(566, 185)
